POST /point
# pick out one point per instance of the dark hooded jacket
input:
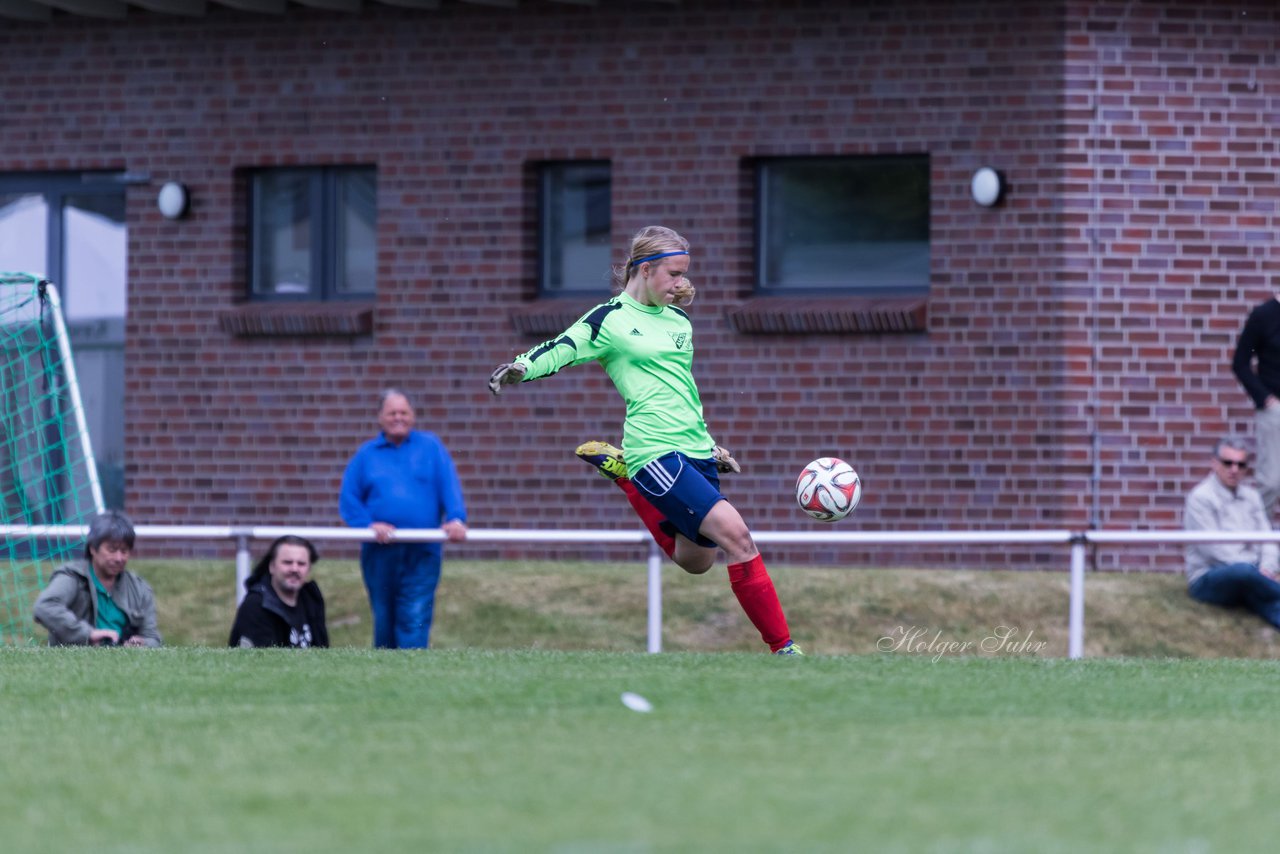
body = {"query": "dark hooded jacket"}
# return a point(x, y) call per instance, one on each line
point(264, 620)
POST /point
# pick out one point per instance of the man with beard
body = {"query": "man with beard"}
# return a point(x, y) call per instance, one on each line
point(282, 606)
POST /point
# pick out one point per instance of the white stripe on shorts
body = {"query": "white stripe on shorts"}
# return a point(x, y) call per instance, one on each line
point(661, 477)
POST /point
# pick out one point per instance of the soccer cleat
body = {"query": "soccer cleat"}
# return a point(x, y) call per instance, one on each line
point(792, 648)
point(605, 457)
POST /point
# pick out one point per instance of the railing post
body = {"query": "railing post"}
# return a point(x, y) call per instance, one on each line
point(655, 597)
point(243, 559)
point(1075, 620)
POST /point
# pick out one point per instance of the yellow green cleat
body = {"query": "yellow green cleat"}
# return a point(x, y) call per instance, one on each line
point(605, 457)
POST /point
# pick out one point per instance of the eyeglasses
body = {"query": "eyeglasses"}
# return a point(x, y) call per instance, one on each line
point(1234, 464)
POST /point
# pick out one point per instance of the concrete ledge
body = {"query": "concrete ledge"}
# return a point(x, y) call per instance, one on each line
point(289, 319)
point(817, 315)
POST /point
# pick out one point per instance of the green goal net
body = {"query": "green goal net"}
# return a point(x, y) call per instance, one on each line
point(47, 478)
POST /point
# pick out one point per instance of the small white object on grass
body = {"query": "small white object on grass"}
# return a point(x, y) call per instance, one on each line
point(635, 702)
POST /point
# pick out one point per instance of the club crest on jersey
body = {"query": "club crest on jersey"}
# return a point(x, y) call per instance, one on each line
point(681, 340)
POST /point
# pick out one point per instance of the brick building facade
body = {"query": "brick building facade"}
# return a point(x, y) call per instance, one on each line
point(1072, 355)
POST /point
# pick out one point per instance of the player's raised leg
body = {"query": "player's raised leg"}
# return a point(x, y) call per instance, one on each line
point(608, 461)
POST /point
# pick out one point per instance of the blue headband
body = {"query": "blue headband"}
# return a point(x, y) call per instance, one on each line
point(639, 261)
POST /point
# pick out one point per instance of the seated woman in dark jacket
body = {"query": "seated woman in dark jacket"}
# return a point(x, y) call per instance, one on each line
point(282, 605)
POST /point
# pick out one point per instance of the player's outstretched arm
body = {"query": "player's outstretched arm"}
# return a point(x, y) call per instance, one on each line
point(504, 375)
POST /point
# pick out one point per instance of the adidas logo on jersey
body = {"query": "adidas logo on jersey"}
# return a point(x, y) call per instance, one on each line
point(635, 331)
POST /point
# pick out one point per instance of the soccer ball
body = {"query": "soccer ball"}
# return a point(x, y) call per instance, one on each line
point(828, 489)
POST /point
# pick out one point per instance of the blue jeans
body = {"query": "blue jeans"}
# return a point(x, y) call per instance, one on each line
point(1239, 585)
point(401, 580)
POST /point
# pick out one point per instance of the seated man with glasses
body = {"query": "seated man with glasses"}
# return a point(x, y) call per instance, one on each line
point(1232, 574)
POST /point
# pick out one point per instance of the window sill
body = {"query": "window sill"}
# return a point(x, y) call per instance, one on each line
point(295, 319)
point(830, 315)
point(549, 317)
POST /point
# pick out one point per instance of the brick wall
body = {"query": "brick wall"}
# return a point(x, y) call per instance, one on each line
point(1170, 214)
point(1096, 307)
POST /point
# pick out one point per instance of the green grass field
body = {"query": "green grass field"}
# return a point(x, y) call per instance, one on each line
point(509, 735)
point(199, 750)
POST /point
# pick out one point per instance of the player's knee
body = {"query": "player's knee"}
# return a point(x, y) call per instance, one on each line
point(738, 546)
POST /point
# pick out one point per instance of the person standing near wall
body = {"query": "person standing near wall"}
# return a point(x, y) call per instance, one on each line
point(1260, 341)
point(402, 478)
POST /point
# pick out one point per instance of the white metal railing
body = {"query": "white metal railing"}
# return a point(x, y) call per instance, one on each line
point(1077, 540)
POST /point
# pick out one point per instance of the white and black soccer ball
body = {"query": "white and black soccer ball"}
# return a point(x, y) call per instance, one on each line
point(828, 489)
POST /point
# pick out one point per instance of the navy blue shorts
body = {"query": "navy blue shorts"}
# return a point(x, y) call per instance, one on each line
point(683, 490)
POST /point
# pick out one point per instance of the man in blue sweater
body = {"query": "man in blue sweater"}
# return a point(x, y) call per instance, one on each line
point(403, 478)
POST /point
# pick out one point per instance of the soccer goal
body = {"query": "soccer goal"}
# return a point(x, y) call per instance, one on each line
point(47, 472)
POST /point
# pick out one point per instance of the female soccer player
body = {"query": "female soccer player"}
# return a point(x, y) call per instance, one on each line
point(645, 344)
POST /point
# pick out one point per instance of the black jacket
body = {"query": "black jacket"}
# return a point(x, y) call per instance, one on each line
point(263, 620)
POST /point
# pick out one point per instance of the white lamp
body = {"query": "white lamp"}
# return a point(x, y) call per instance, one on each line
point(173, 200)
point(987, 186)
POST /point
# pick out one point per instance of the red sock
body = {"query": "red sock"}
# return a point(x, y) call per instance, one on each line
point(754, 588)
point(649, 515)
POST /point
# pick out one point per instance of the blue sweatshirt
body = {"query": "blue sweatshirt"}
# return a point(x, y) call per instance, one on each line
point(413, 485)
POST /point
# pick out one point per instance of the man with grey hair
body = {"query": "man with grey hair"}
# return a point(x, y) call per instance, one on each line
point(97, 601)
point(1231, 574)
point(402, 478)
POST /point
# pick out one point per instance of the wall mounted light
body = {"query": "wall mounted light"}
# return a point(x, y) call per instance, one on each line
point(987, 187)
point(173, 200)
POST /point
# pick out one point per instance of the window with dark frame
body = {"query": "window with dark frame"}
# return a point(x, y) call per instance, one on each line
point(313, 233)
point(574, 226)
point(847, 225)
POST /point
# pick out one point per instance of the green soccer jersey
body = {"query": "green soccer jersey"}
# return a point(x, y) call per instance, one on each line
point(647, 351)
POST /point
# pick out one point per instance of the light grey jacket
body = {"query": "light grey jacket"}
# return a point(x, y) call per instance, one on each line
point(1213, 507)
point(68, 607)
